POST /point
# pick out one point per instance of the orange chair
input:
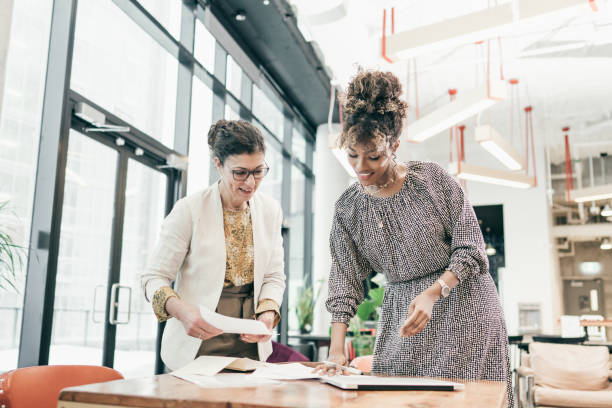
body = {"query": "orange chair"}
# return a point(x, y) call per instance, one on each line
point(40, 386)
point(363, 363)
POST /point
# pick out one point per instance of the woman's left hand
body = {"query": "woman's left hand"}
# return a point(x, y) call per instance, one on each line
point(419, 314)
point(268, 319)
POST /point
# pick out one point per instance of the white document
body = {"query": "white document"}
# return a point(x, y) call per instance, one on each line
point(211, 365)
point(225, 380)
point(233, 324)
point(291, 371)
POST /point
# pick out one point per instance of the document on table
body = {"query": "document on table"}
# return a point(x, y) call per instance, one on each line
point(211, 365)
point(225, 380)
point(291, 371)
point(233, 324)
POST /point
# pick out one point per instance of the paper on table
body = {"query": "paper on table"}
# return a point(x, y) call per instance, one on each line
point(205, 365)
point(225, 380)
point(233, 324)
point(292, 371)
point(211, 365)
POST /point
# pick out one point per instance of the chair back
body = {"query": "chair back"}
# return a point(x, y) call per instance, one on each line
point(559, 340)
point(282, 353)
point(362, 363)
point(40, 386)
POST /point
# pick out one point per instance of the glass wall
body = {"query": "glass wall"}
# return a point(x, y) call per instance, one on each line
point(199, 153)
point(297, 278)
point(126, 69)
point(20, 118)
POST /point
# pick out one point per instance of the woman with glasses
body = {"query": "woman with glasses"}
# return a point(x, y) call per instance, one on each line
point(441, 316)
point(224, 250)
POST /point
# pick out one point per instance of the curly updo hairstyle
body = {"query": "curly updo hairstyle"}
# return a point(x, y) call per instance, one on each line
point(373, 110)
point(229, 137)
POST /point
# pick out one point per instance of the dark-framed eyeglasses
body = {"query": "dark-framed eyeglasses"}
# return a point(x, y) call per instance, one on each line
point(244, 174)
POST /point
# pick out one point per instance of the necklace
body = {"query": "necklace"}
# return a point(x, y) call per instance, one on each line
point(377, 188)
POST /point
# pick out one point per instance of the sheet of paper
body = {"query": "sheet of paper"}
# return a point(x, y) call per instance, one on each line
point(233, 324)
point(291, 371)
point(225, 380)
point(205, 366)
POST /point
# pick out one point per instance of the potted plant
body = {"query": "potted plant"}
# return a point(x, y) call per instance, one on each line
point(366, 318)
point(11, 261)
point(305, 308)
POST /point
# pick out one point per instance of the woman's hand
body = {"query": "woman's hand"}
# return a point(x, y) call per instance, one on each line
point(419, 313)
point(338, 361)
point(268, 319)
point(192, 320)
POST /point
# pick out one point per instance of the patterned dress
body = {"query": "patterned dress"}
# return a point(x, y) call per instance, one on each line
point(412, 237)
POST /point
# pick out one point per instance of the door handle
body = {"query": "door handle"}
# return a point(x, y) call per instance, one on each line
point(114, 304)
point(93, 309)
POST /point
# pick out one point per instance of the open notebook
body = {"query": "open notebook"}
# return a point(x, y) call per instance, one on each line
point(366, 382)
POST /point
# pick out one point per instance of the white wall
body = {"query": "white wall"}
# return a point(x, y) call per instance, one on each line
point(331, 181)
point(531, 272)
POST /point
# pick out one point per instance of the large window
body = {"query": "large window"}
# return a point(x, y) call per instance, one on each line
point(267, 112)
point(201, 119)
point(124, 70)
point(129, 69)
point(233, 77)
point(168, 13)
point(204, 47)
point(20, 116)
point(297, 278)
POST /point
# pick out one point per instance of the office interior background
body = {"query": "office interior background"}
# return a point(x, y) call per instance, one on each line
point(105, 105)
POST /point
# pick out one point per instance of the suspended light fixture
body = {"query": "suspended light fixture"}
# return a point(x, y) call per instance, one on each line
point(499, 147)
point(606, 211)
point(471, 172)
point(606, 244)
point(463, 107)
point(479, 25)
point(596, 193)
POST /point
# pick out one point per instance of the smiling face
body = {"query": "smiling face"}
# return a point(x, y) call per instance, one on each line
point(235, 168)
point(371, 163)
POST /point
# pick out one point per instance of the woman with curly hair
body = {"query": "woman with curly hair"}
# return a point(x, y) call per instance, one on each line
point(441, 315)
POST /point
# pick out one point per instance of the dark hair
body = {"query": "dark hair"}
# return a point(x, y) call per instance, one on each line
point(229, 137)
point(373, 110)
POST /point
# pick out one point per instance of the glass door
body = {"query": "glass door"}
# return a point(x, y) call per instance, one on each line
point(145, 198)
point(84, 252)
point(114, 202)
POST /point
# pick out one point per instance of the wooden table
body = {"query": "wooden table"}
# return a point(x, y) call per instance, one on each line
point(168, 391)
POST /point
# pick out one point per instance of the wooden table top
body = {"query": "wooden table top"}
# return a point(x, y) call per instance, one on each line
point(596, 323)
point(168, 391)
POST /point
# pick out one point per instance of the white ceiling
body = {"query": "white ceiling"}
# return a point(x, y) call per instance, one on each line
point(571, 87)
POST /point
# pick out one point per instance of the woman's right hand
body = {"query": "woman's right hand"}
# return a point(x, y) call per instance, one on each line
point(192, 320)
point(338, 359)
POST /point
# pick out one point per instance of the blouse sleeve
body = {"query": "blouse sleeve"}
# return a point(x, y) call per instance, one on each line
point(468, 255)
point(348, 271)
point(160, 297)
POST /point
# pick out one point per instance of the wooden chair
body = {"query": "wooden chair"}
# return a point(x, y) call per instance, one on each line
point(40, 386)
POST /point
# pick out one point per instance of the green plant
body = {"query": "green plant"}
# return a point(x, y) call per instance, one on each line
point(11, 254)
point(368, 309)
point(305, 307)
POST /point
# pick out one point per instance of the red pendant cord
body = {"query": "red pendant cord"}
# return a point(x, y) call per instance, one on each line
point(529, 119)
point(452, 130)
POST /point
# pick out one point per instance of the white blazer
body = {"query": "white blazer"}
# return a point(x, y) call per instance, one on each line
point(191, 250)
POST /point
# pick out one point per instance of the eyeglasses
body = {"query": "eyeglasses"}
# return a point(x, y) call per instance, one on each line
point(243, 174)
